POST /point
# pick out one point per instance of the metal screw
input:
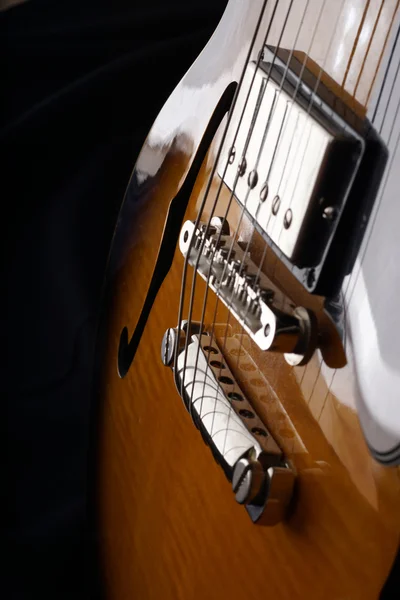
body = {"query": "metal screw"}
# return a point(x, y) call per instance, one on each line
point(242, 167)
point(247, 480)
point(329, 213)
point(232, 155)
point(168, 347)
point(242, 480)
point(267, 330)
point(287, 219)
point(253, 179)
point(264, 192)
point(276, 202)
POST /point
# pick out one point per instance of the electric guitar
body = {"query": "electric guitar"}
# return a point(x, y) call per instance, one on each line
point(249, 370)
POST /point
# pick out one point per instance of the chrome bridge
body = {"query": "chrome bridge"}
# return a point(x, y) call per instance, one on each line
point(259, 306)
point(261, 478)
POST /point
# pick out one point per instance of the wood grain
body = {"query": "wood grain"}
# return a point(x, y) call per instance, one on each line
point(169, 525)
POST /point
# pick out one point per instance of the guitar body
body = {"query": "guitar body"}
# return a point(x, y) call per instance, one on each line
point(169, 525)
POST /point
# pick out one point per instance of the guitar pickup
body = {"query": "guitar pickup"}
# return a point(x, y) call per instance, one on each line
point(305, 168)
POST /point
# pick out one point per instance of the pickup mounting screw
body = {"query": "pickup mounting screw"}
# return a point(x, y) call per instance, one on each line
point(232, 155)
point(329, 213)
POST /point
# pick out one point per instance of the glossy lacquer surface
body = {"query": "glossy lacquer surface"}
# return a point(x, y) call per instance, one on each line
point(169, 525)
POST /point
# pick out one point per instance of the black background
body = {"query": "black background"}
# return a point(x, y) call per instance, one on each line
point(81, 83)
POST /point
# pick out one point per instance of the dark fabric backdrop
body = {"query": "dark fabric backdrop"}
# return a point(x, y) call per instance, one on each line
point(81, 83)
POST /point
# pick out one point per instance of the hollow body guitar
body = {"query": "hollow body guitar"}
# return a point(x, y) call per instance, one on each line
point(250, 303)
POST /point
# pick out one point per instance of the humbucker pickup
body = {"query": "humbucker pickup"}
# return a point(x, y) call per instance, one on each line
point(305, 168)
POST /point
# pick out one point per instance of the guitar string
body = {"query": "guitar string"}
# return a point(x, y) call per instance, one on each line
point(280, 137)
point(387, 71)
point(280, 253)
point(291, 199)
point(303, 374)
point(262, 260)
point(320, 366)
point(179, 384)
point(345, 334)
point(308, 112)
point(254, 117)
point(232, 194)
point(313, 95)
point(281, 132)
point(372, 85)
point(318, 375)
point(320, 360)
point(266, 247)
point(341, 292)
point(377, 205)
point(212, 212)
point(316, 27)
point(367, 51)
point(346, 308)
point(355, 274)
point(216, 201)
point(282, 129)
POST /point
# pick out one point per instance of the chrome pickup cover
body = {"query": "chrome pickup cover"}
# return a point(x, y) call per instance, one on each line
point(291, 161)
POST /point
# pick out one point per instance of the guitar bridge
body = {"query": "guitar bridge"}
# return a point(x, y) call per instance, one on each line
point(248, 293)
point(261, 478)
